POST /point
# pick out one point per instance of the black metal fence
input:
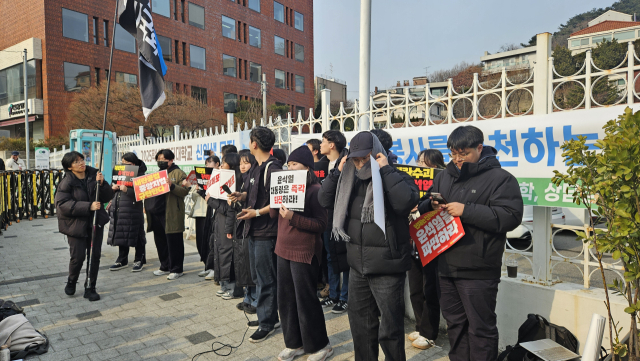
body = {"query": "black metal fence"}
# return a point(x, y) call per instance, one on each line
point(27, 194)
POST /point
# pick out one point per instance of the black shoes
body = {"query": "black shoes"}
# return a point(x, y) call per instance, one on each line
point(70, 288)
point(250, 309)
point(91, 294)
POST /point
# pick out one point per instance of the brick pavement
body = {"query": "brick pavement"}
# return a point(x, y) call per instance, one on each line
point(140, 316)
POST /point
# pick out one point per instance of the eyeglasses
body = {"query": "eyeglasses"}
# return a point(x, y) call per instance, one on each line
point(362, 160)
point(79, 162)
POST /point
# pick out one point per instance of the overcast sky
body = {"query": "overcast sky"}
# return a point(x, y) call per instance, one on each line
point(409, 35)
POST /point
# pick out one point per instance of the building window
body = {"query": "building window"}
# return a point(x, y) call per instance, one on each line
point(299, 110)
point(75, 25)
point(625, 35)
point(198, 57)
point(230, 102)
point(165, 46)
point(228, 65)
point(12, 83)
point(299, 52)
point(280, 79)
point(161, 7)
point(279, 45)
point(254, 5)
point(598, 39)
point(199, 94)
point(76, 77)
point(254, 36)
point(175, 9)
point(95, 30)
point(278, 11)
point(105, 31)
point(255, 72)
point(124, 40)
point(129, 79)
point(184, 53)
point(299, 21)
point(196, 16)
point(228, 27)
point(299, 84)
point(182, 9)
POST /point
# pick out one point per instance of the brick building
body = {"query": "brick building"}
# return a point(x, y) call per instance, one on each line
point(215, 50)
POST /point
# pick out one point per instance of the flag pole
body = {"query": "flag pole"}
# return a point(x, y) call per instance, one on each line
point(104, 125)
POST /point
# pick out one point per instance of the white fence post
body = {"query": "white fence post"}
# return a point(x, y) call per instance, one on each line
point(325, 100)
point(176, 132)
point(141, 132)
point(230, 122)
point(541, 74)
point(541, 238)
point(630, 80)
point(587, 81)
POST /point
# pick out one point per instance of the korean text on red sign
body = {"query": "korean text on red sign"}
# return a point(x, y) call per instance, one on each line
point(202, 176)
point(421, 175)
point(151, 185)
point(288, 188)
point(434, 232)
point(123, 174)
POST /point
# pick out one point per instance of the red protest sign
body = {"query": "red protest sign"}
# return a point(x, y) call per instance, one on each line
point(151, 185)
point(192, 179)
point(434, 232)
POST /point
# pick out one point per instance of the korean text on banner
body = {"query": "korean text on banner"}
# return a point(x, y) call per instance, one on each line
point(321, 169)
point(228, 178)
point(202, 177)
point(151, 185)
point(123, 174)
point(434, 233)
point(422, 176)
point(192, 179)
point(288, 188)
point(214, 183)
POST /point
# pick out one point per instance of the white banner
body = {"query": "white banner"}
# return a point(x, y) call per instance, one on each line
point(190, 152)
point(288, 187)
point(528, 147)
point(228, 178)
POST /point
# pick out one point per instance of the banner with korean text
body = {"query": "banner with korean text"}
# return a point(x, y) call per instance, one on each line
point(528, 146)
point(123, 174)
point(434, 233)
point(288, 188)
point(151, 185)
point(421, 175)
point(202, 177)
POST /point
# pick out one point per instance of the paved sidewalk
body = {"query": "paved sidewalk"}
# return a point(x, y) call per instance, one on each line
point(140, 316)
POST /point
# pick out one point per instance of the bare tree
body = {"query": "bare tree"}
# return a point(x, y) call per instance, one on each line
point(444, 74)
point(509, 47)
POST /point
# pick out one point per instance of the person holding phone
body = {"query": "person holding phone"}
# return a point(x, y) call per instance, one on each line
point(423, 281)
point(488, 201)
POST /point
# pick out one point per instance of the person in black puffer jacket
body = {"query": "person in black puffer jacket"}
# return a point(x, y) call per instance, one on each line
point(378, 260)
point(489, 203)
point(126, 227)
point(75, 206)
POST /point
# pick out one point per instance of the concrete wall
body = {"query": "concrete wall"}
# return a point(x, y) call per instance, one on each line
point(565, 304)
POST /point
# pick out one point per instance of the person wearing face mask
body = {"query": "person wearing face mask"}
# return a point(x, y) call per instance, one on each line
point(126, 226)
point(299, 253)
point(165, 218)
point(488, 201)
point(371, 213)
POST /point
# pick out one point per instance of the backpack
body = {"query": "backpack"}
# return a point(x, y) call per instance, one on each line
point(17, 332)
point(9, 308)
point(536, 328)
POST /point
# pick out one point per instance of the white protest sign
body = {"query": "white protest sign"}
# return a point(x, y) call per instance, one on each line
point(288, 188)
point(228, 178)
point(214, 184)
point(42, 158)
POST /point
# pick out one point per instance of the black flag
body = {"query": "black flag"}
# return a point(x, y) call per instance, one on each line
point(135, 17)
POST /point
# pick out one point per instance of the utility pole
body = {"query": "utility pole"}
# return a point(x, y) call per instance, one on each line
point(365, 63)
point(26, 108)
point(264, 97)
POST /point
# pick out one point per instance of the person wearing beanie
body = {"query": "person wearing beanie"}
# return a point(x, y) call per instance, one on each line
point(299, 253)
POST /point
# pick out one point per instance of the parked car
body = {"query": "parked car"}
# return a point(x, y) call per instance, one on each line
point(524, 229)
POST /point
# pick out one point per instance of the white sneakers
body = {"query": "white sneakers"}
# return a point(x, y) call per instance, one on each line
point(209, 277)
point(160, 273)
point(414, 336)
point(204, 273)
point(322, 355)
point(288, 354)
point(174, 276)
point(422, 343)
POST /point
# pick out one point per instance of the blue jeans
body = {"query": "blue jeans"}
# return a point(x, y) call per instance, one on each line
point(251, 296)
point(334, 279)
point(263, 264)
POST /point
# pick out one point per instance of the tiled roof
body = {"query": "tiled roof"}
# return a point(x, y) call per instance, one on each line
point(606, 26)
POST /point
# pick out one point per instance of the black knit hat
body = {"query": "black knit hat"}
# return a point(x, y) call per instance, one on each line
point(303, 156)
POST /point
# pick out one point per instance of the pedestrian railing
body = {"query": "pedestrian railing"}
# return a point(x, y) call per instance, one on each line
point(27, 194)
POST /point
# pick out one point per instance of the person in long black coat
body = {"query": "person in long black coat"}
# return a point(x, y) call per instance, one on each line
point(75, 201)
point(126, 228)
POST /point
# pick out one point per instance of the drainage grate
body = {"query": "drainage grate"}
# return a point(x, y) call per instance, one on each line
point(200, 337)
point(170, 296)
point(88, 315)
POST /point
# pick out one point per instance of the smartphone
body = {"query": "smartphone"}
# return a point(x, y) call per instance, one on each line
point(438, 198)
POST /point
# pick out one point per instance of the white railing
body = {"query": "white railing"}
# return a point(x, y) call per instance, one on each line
point(55, 157)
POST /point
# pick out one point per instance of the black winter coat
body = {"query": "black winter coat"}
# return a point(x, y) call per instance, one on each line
point(126, 217)
point(73, 203)
point(369, 252)
point(241, 246)
point(492, 207)
point(224, 223)
point(337, 250)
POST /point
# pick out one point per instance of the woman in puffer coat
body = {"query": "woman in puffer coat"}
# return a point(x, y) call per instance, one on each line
point(126, 228)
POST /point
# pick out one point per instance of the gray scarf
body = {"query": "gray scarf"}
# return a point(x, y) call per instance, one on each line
point(343, 194)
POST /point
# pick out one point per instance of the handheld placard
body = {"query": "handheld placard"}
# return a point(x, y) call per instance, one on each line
point(237, 206)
